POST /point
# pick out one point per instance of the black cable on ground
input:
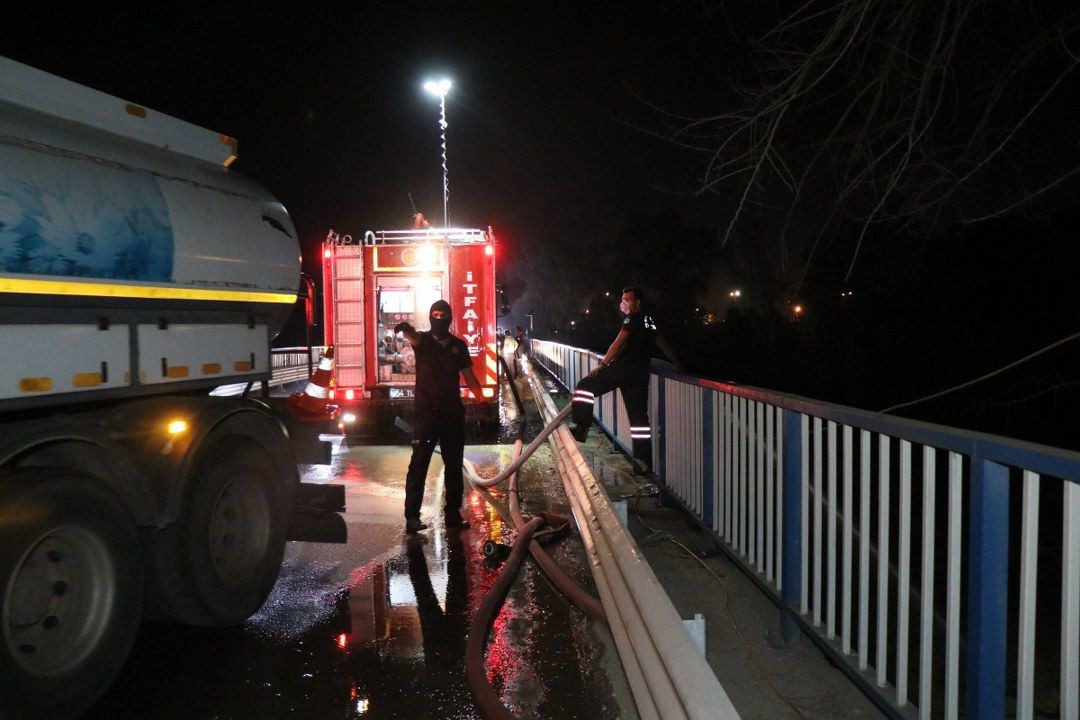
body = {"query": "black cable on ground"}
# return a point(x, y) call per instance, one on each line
point(661, 536)
point(475, 674)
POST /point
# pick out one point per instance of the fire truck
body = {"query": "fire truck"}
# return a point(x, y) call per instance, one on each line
point(393, 276)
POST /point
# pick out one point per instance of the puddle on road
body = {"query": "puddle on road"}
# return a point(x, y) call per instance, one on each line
point(384, 638)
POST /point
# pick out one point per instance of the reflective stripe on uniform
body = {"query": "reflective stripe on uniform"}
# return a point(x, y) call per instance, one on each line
point(584, 396)
point(640, 432)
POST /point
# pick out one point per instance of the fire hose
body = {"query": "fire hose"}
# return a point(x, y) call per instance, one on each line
point(526, 453)
point(574, 592)
point(483, 693)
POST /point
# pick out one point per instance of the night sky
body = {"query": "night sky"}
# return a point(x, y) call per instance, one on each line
point(548, 145)
point(327, 105)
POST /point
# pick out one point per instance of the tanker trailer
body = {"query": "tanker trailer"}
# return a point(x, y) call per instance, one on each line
point(136, 273)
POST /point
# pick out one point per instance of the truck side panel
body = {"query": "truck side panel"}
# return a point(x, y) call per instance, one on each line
point(38, 359)
point(174, 352)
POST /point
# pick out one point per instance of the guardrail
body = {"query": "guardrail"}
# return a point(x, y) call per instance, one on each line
point(667, 674)
point(933, 596)
point(289, 358)
point(287, 365)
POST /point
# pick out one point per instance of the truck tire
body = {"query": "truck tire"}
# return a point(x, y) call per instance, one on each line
point(71, 592)
point(218, 563)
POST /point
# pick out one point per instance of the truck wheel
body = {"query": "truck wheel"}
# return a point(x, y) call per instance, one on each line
point(71, 591)
point(218, 563)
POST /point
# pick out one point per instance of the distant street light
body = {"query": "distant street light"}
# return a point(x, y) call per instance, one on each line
point(735, 294)
point(439, 89)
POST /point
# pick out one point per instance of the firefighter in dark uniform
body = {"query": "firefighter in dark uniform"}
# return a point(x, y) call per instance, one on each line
point(439, 415)
point(625, 366)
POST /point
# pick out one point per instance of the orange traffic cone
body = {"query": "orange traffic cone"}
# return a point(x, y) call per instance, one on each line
point(312, 405)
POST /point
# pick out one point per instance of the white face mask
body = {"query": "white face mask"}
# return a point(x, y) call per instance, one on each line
point(624, 307)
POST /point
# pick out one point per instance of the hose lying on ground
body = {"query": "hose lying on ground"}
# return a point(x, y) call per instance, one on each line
point(483, 693)
point(485, 696)
point(526, 453)
point(574, 592)
point(569, 588)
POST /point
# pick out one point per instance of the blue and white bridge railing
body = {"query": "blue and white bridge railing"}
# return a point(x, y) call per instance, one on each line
point(939, 567)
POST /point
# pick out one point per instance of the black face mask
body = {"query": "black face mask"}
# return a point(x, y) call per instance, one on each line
point(440, 317)
point(440, 328)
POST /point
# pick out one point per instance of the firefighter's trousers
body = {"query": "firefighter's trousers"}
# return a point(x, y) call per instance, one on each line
point(447, 428)
point(634, 384)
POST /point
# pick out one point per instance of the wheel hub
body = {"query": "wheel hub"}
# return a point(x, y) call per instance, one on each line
point(239, 529)
point(58, 603)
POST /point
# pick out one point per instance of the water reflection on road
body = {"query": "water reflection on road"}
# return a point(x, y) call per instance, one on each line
point(376, 627)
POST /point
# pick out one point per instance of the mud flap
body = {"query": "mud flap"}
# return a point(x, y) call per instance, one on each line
point(308, 448)
point(316, 516)
point(305, 438)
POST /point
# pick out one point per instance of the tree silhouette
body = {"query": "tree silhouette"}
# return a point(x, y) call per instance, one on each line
point(915, 116)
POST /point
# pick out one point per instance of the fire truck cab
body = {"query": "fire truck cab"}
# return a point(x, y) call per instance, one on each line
point(394, 276)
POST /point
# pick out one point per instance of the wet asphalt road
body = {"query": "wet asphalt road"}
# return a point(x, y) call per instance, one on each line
point(376, 627)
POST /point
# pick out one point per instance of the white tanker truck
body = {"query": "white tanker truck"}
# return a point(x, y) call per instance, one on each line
point(136, 273)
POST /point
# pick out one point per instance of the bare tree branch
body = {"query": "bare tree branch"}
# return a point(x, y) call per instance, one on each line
point(895, 113)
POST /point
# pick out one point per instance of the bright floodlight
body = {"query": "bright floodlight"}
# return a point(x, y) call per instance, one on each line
point(439, 88)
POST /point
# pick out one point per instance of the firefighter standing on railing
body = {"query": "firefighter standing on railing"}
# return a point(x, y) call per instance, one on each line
point(625, 366)
point(439, 416)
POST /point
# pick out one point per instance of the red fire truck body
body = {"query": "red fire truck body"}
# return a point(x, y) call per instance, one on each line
point(394, 276)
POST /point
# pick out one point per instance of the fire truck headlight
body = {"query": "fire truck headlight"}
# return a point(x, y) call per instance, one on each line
point(489, 250)
point(350, 394)
point(349, 418)
point(489, 392)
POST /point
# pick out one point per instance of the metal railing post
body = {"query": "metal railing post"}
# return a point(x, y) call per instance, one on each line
point(988, 579)
point(791, 531)
point(661, 433)
point(707, 457)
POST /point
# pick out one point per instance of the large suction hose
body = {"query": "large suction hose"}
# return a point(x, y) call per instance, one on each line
point(574, 592)
point(526, 453)
point(484, 695)
point(569, 588)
